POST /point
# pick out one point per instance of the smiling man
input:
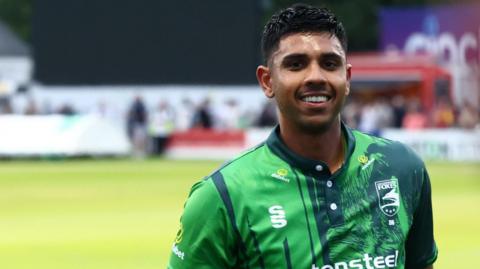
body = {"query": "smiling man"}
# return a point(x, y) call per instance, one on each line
point(316, 194)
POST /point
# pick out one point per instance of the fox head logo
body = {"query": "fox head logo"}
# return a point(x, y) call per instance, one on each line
point(388, 196)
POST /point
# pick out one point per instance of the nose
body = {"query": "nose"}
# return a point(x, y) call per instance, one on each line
point(315, 74)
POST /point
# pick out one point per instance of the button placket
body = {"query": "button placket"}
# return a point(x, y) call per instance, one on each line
point(333, 205)
point(331, 202)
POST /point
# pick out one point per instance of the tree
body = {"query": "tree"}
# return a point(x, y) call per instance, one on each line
point(17, 15)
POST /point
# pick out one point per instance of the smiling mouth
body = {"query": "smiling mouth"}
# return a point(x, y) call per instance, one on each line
point(317, 99)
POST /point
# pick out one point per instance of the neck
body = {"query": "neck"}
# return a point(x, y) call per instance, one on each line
point(324, 146)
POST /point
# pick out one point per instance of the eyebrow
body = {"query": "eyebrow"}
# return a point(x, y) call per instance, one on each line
point(332, 55)
point(293, 56)
point(327, 55)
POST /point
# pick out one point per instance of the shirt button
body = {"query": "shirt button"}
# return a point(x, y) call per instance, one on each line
point(319, 168)
point(333, 206)
point(329, 183)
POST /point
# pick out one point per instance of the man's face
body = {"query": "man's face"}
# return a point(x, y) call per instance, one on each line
point(309, 78)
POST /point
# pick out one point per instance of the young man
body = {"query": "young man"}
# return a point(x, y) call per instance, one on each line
point(316, 194)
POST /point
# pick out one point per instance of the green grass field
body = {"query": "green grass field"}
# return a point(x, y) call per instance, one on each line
point(102, 214)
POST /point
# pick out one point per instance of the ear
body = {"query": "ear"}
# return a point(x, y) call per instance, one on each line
point(349, 77)
point(265, 81)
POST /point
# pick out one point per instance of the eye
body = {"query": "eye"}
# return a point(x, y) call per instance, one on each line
point(331, 64)
point(295, 65)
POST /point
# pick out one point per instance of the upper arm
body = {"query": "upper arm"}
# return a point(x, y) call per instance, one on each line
point(204, 239)
point(421, 250)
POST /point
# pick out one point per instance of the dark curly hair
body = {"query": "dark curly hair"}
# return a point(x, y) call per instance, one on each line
point(300, 18)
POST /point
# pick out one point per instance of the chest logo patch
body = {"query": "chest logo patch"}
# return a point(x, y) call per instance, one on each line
point(365, 161)
point(281, 174)
point(277, 216)
point(388, 196)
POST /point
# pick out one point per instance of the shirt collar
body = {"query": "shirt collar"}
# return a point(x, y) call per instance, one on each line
point(314, 167)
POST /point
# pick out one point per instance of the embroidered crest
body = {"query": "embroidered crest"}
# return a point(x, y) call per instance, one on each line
point(388, 196)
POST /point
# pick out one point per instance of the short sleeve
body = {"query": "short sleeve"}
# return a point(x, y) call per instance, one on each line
point(421, 250)
point(204, 239)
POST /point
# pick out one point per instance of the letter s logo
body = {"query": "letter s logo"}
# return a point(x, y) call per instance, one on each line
point(277, 216)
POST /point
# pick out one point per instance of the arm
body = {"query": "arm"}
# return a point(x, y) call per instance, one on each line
point(420, 247)
point(204, 239)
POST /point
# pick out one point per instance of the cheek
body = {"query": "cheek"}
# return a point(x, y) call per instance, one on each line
point(288, 81)
point(342, 85)
point(283, 92)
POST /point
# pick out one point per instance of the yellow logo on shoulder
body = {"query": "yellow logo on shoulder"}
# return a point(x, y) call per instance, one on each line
point(282, 172)
point(363, 159)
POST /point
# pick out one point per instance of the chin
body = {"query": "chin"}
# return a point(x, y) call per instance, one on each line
point(317, 127)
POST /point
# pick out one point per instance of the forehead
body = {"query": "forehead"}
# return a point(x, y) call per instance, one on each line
point(308, 43)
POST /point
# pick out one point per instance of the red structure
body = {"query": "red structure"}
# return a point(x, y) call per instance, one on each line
point(390, 74)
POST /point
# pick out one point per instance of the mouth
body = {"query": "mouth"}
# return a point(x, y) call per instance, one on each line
point(316, 99)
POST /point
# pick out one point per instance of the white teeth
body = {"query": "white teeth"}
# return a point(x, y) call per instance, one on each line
point(315, 99)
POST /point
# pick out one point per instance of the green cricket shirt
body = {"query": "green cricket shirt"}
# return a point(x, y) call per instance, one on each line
point(270, 208)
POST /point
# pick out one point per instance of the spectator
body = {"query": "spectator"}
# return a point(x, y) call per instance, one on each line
point(161, 126)
point(370, 119)
point(398, 109)
point(384, 113)
point(444, 114)
point(203, 116)
point(137, 127)
point(414, 118)
point(66, 109)
point(5, 105)
point(184, 115)
point(268, 116)
point(351, 113)
point(228, 115)
point(468, 117)
point(31, 108)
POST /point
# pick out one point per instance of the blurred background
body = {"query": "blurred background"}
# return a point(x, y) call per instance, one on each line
point(111, 110)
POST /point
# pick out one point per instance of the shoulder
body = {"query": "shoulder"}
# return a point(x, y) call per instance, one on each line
point(209, 189)
point(196, 241)
point(393, 152)
point(246, 176)
point(245, 164)
point(202, 194)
